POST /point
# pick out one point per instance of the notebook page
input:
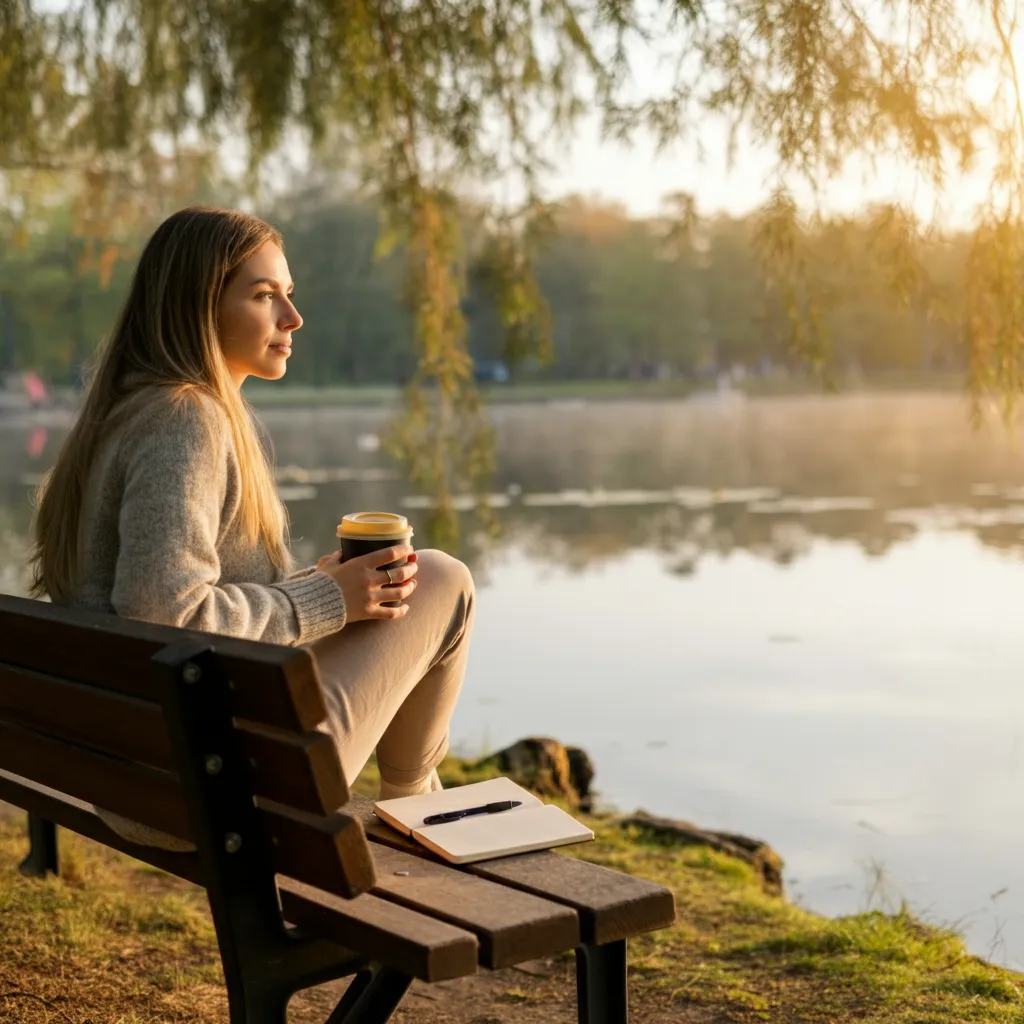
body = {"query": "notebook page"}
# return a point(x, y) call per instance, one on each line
point(407, 812)
point(500, 835)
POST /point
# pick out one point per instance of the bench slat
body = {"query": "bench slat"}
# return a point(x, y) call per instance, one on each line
point(125, 727)
point(81, 817)
point(329, 852)
point(611, 905)
point(424, 947)
point(300, 769)
point(146, 795)
point(616, 905)
point(511, 926)
point(276, 685)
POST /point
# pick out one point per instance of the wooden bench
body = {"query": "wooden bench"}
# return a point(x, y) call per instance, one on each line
point(216, 741)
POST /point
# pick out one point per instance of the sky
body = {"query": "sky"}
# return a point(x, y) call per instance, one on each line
point(638, 177)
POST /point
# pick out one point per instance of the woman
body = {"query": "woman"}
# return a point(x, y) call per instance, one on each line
point(162, 506)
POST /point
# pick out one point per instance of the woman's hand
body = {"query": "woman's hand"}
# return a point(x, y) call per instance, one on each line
point(364, 586)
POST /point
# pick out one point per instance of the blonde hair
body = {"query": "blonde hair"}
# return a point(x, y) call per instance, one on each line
point(165, 336)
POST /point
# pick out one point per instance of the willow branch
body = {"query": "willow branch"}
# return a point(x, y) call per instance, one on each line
point(1004, 41)
point(400, 96)
point(878, 45)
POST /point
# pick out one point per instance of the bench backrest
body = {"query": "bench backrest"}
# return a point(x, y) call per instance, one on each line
point(81, 712)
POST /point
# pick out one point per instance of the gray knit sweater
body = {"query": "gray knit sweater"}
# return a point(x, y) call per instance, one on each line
point(161, 537)
point(161, 540)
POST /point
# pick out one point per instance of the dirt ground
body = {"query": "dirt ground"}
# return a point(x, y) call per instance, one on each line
point(539, 992)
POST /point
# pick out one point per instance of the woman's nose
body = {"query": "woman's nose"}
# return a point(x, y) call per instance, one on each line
point(292, 318)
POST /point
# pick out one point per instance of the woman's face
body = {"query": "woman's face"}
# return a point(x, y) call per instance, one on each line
point(256, 317)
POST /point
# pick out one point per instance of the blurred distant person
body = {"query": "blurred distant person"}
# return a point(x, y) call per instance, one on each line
point(35, 388)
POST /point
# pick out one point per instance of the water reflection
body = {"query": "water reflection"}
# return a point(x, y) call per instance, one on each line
point(763, 477)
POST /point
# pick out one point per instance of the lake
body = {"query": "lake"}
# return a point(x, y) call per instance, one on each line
point(798, 618)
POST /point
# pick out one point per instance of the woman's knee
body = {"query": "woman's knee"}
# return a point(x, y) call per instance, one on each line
point(437, 568)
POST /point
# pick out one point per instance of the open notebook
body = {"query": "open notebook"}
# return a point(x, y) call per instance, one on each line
point(533, 826)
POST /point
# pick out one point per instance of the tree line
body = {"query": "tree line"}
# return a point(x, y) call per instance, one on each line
point(627, 297)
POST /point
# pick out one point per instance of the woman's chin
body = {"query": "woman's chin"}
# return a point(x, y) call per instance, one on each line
point(272, 370)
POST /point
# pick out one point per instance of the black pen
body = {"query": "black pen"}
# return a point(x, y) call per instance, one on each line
point(500, 805)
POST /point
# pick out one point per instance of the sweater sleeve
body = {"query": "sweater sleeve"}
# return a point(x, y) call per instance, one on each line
point(176, 468)
point(301, 573)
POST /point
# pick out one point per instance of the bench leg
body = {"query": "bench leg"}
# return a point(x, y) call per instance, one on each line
point(268, 1008)
point(42, 855)
point(601, 984)
point(372, 997)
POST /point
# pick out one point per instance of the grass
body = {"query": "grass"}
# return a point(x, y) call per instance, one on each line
point(755, 957)
point(111, 940)
point(115, 941)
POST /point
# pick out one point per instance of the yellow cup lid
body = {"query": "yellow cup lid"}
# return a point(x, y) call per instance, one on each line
point(373, 524)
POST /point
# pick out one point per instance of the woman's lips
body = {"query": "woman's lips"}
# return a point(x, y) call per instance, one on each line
point(286, 349)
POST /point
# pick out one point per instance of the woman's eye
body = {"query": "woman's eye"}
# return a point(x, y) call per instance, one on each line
point(265, 295)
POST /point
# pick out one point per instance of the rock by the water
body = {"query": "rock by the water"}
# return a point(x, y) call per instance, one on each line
point(756, 853)
point(581, 774)
point(546, 767)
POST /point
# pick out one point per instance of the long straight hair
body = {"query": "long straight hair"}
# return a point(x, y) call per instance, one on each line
point(165, 336)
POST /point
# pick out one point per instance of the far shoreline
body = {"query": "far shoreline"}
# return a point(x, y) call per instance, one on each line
point(268, 395)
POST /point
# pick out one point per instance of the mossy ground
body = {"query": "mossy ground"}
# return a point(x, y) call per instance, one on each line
point(116, 942)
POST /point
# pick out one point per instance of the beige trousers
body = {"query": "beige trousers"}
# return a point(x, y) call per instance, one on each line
point(391, 685)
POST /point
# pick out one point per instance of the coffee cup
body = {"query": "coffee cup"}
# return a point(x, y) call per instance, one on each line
point(360, 533)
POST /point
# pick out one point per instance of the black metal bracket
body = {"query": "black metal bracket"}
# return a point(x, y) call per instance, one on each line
point(601, 992)
point(42, 859)
point(265, 962)
point(372, 997)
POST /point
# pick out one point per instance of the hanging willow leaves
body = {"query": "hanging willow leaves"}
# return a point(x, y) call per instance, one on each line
point(791, 270)
point(432, 100)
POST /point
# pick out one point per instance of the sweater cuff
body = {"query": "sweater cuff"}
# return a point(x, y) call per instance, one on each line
point(319, 605)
